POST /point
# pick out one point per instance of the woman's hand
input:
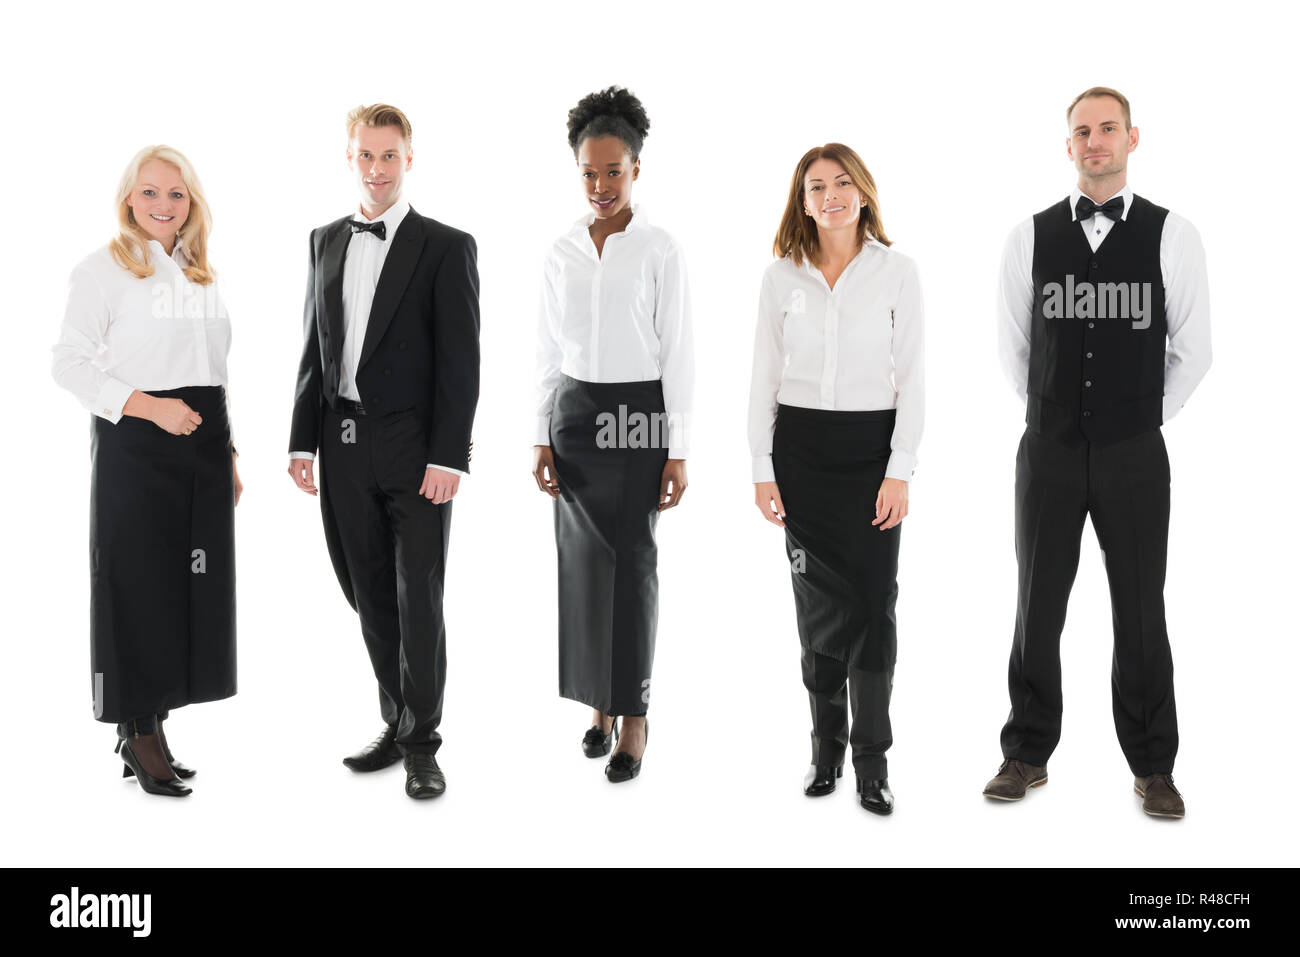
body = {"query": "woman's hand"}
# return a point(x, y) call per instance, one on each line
point(768, 499)
point(544, 470)
point(891, 503)
point(672, 484)
point(239, 486)
point(174, 416)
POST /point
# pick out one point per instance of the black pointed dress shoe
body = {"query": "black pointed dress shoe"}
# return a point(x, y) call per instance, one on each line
point(820, 779)
point(596, 743)
point(622, 767)
point(378, 754)
point(424, 779)
point(167, 787)
point(875, 796)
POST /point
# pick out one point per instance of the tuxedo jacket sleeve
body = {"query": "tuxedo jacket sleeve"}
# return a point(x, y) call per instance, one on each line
point(308, 397)
point(455, 384)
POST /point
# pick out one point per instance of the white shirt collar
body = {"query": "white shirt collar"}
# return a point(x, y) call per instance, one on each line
point(391, 217)
point(1126, 192)
point(638, 221)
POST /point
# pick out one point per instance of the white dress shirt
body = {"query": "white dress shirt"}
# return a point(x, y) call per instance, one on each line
point(857, 347)
point(362, 264)
point(619, 316)
point(1187, 300)
point(121, 333)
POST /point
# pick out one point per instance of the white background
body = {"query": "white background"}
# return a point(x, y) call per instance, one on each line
point(959, 113)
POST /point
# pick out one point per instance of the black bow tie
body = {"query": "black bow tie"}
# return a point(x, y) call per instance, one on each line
point(377, 227)
point(1112, 208)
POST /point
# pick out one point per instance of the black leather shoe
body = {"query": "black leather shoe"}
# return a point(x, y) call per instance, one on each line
point(378, 754)
point(596, 743)
point(621, 766)
point(424, 779)
point(820, 779)
point(875, 796)
point(168, 787)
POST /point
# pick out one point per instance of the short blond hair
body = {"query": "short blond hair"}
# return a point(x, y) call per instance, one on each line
point(1102, 91)
point(378, 115)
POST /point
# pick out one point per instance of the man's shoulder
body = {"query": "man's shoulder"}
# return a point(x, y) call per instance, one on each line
point(440, 231)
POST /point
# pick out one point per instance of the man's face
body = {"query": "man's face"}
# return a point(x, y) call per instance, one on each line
point(1099, 144)
point(379, 158)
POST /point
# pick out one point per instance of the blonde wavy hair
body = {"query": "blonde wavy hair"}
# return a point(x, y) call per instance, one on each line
point(130, 247)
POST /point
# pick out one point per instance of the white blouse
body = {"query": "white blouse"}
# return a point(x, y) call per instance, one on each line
point(121, 333)
point(857, 347)
point(619, 316)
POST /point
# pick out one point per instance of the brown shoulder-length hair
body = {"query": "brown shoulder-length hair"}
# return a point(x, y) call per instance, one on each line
point(797, 235)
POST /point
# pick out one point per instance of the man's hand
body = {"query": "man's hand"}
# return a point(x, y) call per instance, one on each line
point(672, 484)
point(439, 486)
point(234, 468)
point(300, 470)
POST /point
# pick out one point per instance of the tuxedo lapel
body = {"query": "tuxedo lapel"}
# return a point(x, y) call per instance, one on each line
point(393, 280)
point(336, 247)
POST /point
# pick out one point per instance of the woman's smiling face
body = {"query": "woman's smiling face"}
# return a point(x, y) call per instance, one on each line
point(159, 201)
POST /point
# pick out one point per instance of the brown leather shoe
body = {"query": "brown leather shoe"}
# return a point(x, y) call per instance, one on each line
point(1159, 796)
point(1013, 779)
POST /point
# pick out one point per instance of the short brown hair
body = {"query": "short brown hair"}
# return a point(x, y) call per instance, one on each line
point(379, 114)
point(796, 237)
point(1103, 91)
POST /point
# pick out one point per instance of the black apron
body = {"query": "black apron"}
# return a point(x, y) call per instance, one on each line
point(829, 467)
point(162, 561)
point(605, 521)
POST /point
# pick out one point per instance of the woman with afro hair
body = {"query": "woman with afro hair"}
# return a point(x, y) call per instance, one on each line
point(615, 377)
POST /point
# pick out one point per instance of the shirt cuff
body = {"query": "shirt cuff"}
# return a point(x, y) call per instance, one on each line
point(901, 465)
point(309, 456)
point(445, 468)
point(1171, 407)
point(763, 469)
point(542, 431)
point(112, 396)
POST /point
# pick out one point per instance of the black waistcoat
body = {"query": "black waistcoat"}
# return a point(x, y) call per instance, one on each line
point(1097, 340)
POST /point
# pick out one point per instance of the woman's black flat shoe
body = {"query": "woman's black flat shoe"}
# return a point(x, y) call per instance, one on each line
point(171, 787)
point(596, 743)
point(622, 767)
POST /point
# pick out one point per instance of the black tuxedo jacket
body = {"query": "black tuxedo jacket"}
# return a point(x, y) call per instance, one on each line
point(421, 348)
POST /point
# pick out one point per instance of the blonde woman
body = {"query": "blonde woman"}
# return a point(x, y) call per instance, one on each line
point(143, 347)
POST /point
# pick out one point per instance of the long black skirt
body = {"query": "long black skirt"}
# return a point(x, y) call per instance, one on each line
point(829, 467)
point(162, 561)
point(610, 443)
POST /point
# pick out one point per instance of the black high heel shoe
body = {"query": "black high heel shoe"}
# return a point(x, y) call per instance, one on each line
point(179, 769)
point(622, 767)
point(596, 743)
point(170, 787)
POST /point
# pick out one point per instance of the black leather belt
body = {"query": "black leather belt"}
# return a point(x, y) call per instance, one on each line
point(348, 407)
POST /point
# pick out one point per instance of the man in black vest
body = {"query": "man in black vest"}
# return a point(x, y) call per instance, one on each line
point(1104, 330)
point(387, 390)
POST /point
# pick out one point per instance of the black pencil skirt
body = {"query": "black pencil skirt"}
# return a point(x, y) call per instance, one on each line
point(610, 444)
point(829, 467)
point(162, 561)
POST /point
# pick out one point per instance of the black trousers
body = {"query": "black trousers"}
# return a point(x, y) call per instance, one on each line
point(388, 544)
point(868, 692)
point(1124, 487)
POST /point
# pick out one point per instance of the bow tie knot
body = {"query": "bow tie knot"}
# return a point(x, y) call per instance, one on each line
point(377, 227)
point(1113, 208)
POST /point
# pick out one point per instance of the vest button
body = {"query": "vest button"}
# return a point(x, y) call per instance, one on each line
point(1092, 325)
point(1086, 413)
point(1087, 383)
point(1088, 355)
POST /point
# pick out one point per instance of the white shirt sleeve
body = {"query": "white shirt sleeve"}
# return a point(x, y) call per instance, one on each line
point(908, 349)
point(81, 340)
point(549, 356)
point(676, 348)
point(1015, 306)
point(765, 379)
point(1187, 311)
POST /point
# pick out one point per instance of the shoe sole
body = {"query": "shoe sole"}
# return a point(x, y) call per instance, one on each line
point(425, 795)
point(1020, 797)
point(1177, 816)
point(819, 794)
point(874, 810)
point(366, 769)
